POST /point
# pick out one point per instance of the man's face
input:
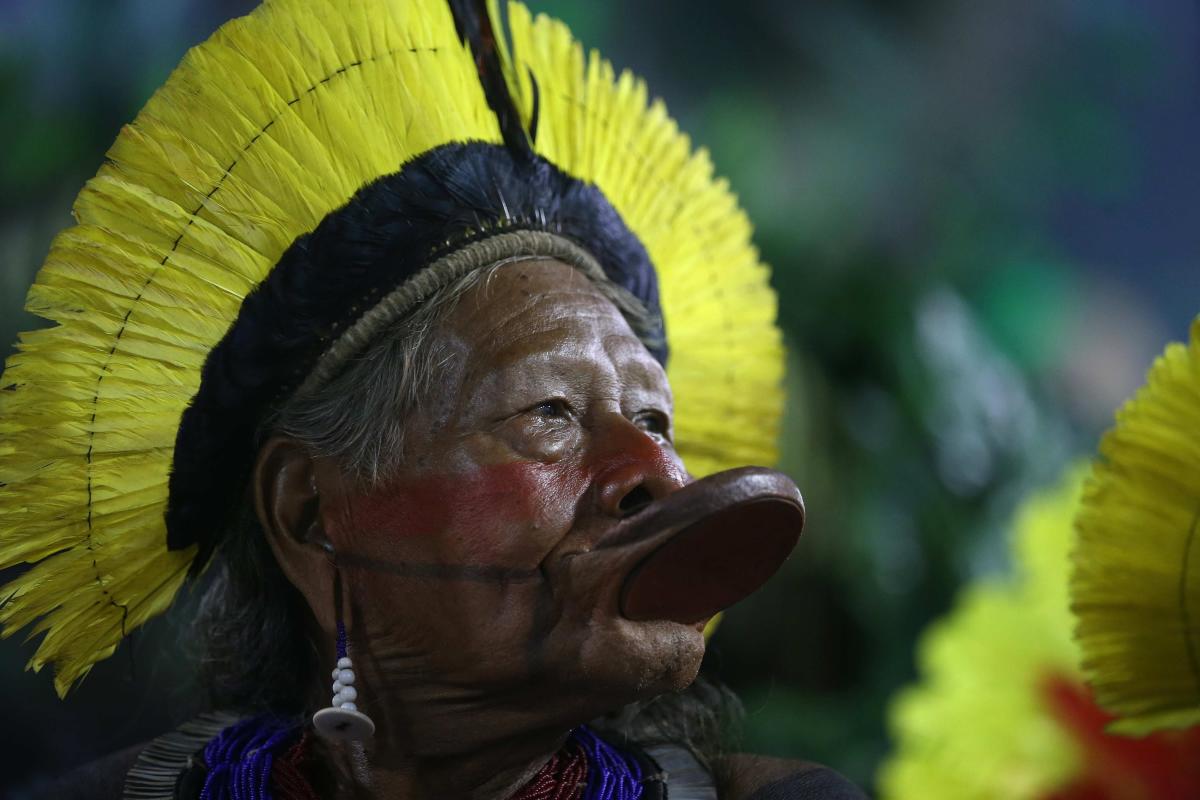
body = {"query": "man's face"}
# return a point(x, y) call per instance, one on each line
point(471, 570)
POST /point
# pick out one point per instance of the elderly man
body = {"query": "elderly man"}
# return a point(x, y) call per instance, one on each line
point(362, 323)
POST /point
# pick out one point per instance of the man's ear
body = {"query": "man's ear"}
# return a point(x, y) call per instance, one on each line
point(288, 492)
point(286, 499)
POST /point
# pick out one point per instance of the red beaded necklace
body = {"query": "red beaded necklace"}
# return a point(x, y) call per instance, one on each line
point(563, 777)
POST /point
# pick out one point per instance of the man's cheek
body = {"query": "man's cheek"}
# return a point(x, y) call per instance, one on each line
point(513, 514)
point(397, 511)
point(507, 514)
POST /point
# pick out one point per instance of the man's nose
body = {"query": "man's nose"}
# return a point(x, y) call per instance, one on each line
point(632, 469)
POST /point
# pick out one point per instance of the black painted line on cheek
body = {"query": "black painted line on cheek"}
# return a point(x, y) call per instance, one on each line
point(475, 573)
point(542, 621)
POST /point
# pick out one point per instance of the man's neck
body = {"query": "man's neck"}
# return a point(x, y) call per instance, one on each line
point(491, 772)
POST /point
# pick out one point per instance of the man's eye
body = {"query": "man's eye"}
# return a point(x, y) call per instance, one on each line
point(550, 409)
point(652, 422)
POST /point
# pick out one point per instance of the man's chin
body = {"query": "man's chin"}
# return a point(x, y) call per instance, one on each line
point(682, 655)
point(637, 660)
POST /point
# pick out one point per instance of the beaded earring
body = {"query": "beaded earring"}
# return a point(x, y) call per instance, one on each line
point(342, 720)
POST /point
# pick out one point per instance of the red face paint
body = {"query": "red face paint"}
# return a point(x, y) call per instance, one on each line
point(501, 514)
point(510, 514)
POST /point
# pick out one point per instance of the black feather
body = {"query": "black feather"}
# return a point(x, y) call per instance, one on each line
point(475, 27)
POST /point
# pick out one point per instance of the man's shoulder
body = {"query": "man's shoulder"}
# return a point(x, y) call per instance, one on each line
point(101, 779)
point(161, 767)
point(755, 777)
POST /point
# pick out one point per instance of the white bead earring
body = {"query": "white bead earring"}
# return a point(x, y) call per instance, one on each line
point(342, 720)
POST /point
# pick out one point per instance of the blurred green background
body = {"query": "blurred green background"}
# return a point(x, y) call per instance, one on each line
point(981, 217)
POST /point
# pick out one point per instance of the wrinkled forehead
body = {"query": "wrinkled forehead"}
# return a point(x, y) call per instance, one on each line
point(543, 307)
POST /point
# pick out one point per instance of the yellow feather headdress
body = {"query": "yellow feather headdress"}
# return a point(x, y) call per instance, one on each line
point(1136, 584)
point(259, 134)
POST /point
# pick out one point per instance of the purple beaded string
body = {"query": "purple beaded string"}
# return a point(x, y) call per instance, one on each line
point(341, 639)
point(337, 610)
point(612, 774)
point(240, 758)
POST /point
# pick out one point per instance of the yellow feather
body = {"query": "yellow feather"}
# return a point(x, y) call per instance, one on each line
point(1136, 584)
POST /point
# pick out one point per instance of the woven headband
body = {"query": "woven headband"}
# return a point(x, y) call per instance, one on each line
point(502, 247)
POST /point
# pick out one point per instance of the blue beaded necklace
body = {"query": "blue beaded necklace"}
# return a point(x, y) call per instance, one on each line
point(240, 759)
point(612, 774)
